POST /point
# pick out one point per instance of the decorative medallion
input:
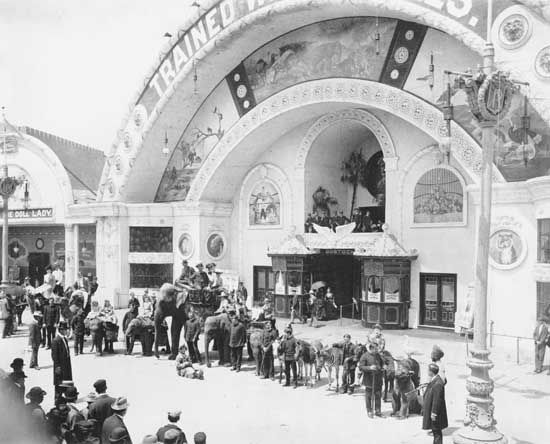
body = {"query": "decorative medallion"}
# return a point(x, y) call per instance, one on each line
point(186, 245)
point(401, 54)
point(409, 35)
point(140, 116)
point(394, 74)
point(514, 31)
point(215, 245)
point(39, 243)
point(507, 248)
point(241, 91)
point(542, 63)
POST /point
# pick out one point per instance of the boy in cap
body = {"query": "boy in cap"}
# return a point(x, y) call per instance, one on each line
point(171, 429)
point(35, 338)
point(100, 409)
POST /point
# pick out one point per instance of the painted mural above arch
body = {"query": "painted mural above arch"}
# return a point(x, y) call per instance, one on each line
point(348, 48)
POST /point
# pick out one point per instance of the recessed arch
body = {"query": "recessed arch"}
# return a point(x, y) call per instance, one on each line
point(357, 93)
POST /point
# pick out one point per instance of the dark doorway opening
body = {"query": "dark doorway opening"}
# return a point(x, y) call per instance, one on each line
point(264, 282)
point(342, 274)
point(38, 262)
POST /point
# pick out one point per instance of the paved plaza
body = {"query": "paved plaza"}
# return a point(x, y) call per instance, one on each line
point(240, 408)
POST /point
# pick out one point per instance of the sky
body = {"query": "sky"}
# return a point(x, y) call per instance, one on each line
point(71, 67)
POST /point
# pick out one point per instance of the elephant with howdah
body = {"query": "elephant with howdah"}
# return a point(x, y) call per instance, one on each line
point(217, 328)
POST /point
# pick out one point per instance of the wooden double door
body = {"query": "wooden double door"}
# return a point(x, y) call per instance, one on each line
point(438, 299)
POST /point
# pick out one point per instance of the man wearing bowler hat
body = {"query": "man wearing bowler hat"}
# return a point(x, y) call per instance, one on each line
point(35, 338)
point(61, 357)
point(36, 414)
point(101, 409)
point(17, 382)
point(119, 407)
point(435, 410)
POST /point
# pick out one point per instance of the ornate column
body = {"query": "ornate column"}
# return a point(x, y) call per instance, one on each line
point(70, 261)
point(489, 96)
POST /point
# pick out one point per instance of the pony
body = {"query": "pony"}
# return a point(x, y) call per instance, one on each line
point(307, 359)
point(331, 358)
point(389, 373)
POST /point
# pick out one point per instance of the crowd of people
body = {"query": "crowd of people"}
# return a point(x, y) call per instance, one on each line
point(365, 222)
point(96, 418)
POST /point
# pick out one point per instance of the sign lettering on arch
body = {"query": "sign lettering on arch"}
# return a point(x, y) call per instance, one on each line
point(471, 14)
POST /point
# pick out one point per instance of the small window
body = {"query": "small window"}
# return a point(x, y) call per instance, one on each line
point(391, 289)
point(150, 239)
point(373, 289)
point(438, 198)
point(150, 275)
point(543, 255)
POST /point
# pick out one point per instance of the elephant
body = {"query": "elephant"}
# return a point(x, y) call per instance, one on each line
point(143, 329)
point(171, 303)
point(255, 346)
point(217, 328)
point(97, 330)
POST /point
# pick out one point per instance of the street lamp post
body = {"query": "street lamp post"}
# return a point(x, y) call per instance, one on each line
point(8, 185)
point(489, 96)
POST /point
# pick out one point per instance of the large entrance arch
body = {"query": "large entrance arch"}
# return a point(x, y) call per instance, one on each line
point(355, 92)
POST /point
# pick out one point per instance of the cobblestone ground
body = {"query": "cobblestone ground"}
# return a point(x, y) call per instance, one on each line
point(240, 408)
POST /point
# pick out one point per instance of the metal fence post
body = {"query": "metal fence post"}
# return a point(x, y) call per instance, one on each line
point(517, 350)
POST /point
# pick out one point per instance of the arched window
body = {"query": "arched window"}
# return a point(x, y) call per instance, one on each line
point(439, 198)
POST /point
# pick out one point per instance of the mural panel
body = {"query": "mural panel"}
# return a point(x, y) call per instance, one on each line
point(264, 206)
point(205, 130)
point(515, 160)
point(336, 48)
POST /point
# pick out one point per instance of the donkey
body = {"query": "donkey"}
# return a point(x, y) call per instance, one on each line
point(332, 357)
point(389, 373)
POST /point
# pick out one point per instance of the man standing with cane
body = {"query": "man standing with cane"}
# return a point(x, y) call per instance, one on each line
point(371, 366)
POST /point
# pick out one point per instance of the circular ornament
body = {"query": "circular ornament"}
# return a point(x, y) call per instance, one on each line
point(514, 31)
point(39, 243)
point(237, 77)
point(401, 54)
point(186, 245)
point(507, 249)
point(409, 35)
point(542, 63)
point(215, 245)
point(394, 74)
point(246, 104)
point(241, 91)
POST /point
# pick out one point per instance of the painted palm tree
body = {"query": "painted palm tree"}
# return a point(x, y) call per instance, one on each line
point(354, 172)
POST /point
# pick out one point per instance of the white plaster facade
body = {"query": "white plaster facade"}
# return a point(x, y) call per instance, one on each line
point(272, 143)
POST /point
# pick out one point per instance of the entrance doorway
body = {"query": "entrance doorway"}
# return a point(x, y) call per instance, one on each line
point(264, 282)
point(438, 299)
point(340, 273)
point(38, 262)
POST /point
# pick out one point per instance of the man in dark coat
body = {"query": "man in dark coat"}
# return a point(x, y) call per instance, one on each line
point(192, 332)
point(173, 418)
point(61, 357)
point(100, 409)
point(269, 335)
point(371, 365)
point(79, 330)
point(16, 383)
point(51, 319)
point(435, 410)
point(237, 340)
point(348, 376)
point(119, 407)
point(540, 336)
point(35, 338)
point(289, 351)
point(36, 415)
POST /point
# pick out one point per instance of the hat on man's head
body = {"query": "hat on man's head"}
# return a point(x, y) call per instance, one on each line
point(175, 413)
point(149, 439)
point(120, 404)
point(17, 363)
point(71, 394)
point(199, 265)
point(118, 434)
point(434, 368)
point(171, 436)
point(377, 326)
point(35, 392)
point(100, 384)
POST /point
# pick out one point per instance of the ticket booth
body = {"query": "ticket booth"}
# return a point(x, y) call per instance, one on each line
point(385, 292)
point(292, 276)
